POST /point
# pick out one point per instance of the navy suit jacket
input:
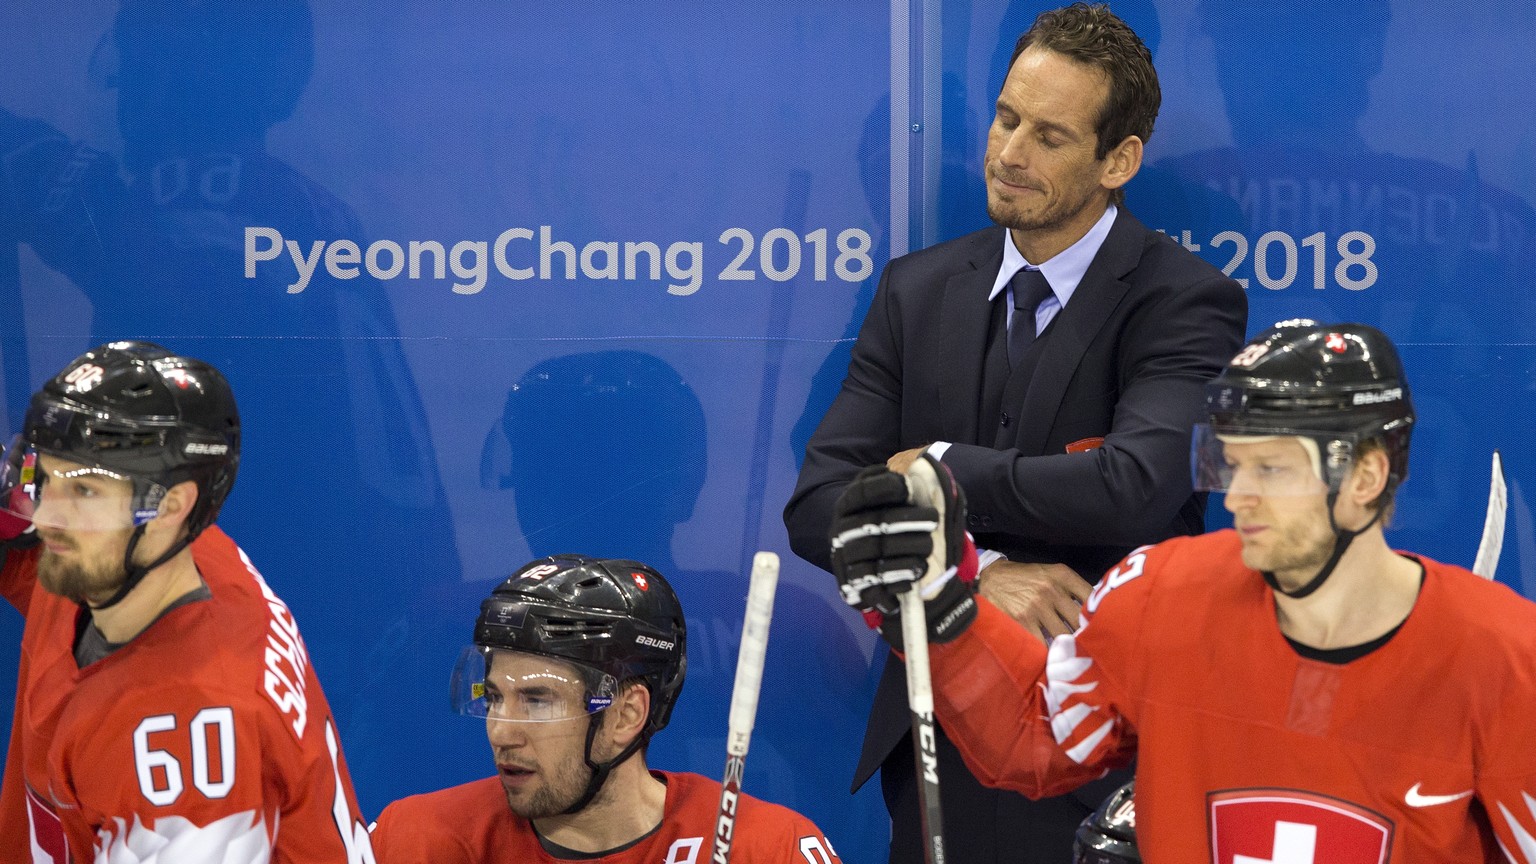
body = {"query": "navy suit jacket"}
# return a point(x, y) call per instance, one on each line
point(1126, 360)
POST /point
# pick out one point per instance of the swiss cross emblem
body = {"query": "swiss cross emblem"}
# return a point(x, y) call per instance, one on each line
point(1336, 343)
point(640, 580)
point(1289, 826)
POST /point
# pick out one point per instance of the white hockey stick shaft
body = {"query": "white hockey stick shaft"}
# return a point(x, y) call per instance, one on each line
point(749, 682)
point(914, 636)
point(1492, 544)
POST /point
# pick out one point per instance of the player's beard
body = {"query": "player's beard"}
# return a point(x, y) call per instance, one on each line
point(565, 782)
point(78, 580)
point(1296, 552)
point(563, 786)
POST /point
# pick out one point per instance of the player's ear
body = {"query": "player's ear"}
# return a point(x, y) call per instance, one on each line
point(628, 714)
point(1369, 478)
point(176, 507)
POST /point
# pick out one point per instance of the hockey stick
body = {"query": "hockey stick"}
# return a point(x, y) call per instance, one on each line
point(1492, 544)
point(914, 636)
point(749, 681)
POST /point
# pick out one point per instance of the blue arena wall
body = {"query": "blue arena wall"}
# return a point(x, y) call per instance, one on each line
point(500, 280)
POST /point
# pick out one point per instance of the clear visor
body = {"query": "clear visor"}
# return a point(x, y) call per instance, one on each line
point(1260, 463)
point(516, 686)
point(53, 493)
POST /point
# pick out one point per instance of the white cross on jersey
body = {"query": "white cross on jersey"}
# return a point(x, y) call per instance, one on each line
point(1295, 843)
point(1292, 826)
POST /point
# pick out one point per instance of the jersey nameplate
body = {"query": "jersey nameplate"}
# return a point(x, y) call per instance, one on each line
point(287, 661)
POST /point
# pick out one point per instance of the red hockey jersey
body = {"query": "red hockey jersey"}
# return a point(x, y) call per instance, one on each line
point(1420, 751)
point(204, 738)
point(471, 824)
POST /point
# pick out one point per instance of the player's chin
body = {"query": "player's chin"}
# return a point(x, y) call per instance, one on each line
point(1255, 557)
point(538, 803)
point(522, 800)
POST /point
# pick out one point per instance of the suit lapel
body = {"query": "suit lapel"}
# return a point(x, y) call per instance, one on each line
point(963, 324)
point(1075, 327)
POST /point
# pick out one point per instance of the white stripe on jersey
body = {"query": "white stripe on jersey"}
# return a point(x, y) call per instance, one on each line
point(240, 838)
point(1065, 690)
point(1522, 836)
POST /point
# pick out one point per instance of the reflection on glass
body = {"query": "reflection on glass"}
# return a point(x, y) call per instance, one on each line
point(605, 454)
point(155, 239)
point(1335, 225)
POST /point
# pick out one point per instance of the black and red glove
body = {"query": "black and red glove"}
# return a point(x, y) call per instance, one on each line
point(893, 533)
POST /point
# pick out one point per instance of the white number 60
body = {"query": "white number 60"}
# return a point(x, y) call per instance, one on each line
point(165, 790)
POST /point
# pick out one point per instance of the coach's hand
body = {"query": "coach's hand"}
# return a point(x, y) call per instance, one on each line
point(1044, 598)
point(894, 532)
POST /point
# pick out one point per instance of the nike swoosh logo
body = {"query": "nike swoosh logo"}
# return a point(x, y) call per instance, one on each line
point(1415, 799)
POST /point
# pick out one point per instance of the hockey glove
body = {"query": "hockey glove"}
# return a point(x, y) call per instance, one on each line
point(900, 532)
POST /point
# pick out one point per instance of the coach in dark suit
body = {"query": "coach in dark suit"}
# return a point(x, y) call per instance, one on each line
point(1056, 368)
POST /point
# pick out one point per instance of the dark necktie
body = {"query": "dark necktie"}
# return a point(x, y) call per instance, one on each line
point(1029, 289)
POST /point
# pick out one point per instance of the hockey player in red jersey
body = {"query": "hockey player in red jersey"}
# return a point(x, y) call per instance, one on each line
point(1293, 689)
point(577, 662)
point(166, 710)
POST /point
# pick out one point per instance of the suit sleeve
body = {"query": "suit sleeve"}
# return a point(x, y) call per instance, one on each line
point(861, 428)
point(1045, 721)
point(1129, 489)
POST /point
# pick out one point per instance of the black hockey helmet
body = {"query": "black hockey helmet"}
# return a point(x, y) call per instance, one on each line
point(1337, 385)
point(616, 618)
point(1108, 835)
point(135, 410)
point(1332, 386)
point(619, 617)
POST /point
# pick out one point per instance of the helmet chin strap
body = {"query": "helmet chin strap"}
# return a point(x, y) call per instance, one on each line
point(1341, 540)
point(599, 771)
point(133, 573)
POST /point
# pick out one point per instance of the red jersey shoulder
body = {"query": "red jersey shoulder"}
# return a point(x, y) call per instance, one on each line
point(255, 631)
point(1201, 555)
point(473, 820)
point(472, 817)
point(763, 831)
point(467, 802)
point(1206, 565)
point(1494, 601)
point(1464, 603)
